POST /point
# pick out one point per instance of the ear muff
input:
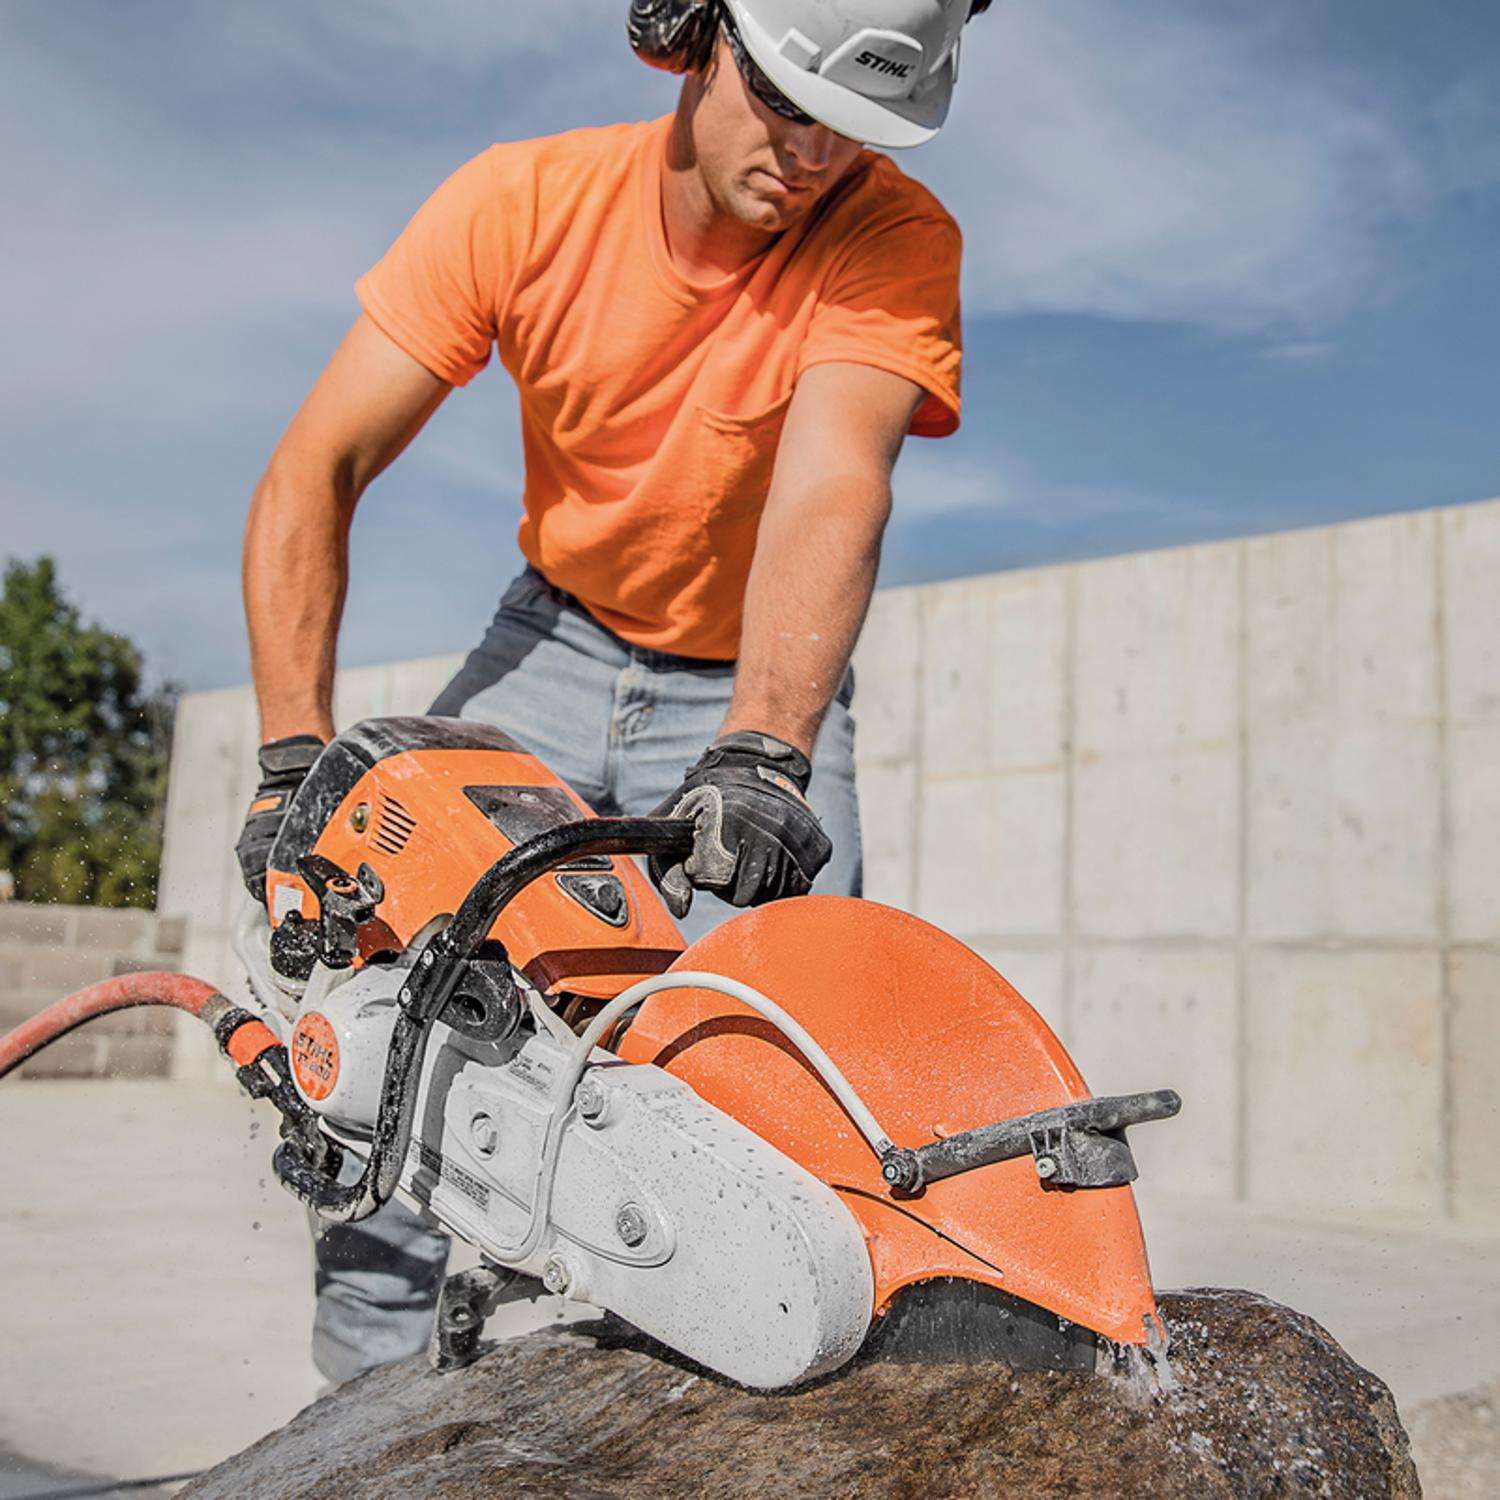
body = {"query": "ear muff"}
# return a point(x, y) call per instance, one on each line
point(676, 35)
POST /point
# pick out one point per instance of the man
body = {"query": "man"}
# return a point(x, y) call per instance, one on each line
point(721, 326)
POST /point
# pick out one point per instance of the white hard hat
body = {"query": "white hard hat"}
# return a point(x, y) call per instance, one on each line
point(877, 71)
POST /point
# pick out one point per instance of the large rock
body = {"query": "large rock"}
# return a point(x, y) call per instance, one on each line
point(1260, 1401)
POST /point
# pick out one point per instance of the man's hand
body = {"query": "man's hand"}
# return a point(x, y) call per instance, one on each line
point(757, 840)
point(284, 765)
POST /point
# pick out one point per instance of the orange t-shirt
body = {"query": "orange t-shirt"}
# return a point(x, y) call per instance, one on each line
point(651, 405)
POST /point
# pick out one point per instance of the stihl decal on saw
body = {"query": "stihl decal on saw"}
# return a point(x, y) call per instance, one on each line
point(315, 1056)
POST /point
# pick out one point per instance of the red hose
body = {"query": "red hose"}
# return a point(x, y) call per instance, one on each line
point(176, 990)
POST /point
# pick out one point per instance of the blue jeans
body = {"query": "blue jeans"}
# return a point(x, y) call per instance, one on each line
point(620, 724)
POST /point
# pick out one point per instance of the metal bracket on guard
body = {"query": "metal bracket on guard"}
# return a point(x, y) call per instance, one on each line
point(467, 1299)
point(1078, 1145)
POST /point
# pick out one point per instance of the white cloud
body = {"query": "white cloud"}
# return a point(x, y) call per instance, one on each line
point(483, 32)
point(1167, 163)
point(930, 481)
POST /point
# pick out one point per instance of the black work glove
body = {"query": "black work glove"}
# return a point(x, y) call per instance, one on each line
point(757, 840)
point(284, 765)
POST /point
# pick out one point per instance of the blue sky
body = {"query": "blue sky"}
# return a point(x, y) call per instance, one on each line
point(1231, 267)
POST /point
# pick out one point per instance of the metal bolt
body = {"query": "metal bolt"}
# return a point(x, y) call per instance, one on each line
point(631, 1225)
point(426, 960)
point(359, 819)
point(590, 1099)
point(485, 1135)
point(903, 1170)
point(1046, 1166)
point(556, 1276)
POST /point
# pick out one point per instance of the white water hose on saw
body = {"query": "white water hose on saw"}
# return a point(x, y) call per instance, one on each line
point(578, 1060)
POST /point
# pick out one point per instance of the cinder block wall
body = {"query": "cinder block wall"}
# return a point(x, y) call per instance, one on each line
point(47, 952)
point(1229, 816)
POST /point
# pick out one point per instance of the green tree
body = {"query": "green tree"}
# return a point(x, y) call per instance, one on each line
point(83, 751)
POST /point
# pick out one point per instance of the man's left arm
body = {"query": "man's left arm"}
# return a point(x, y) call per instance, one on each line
point(818, 547)
point(816, 555)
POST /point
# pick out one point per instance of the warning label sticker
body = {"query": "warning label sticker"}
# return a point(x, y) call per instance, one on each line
point(535, 1072)
point(315, 1056)
point(448, 1171)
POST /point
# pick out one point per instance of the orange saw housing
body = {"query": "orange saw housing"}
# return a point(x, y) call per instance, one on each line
point(429, 805)
point(935, 1042)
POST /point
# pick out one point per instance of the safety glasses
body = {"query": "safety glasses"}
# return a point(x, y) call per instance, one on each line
point(755, 80)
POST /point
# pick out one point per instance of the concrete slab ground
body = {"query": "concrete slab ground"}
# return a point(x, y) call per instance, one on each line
point(1419, 1306)
point(21, 1479)
point(158, 1284)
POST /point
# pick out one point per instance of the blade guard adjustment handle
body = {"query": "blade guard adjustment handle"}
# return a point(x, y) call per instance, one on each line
point(1079, 1145)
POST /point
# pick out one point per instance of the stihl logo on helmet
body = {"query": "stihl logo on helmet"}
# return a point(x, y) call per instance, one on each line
point(884, 64)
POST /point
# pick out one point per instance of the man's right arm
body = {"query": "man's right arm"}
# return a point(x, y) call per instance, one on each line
point(368, 404)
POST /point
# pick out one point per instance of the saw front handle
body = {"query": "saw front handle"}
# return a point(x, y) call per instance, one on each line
point(665, 837)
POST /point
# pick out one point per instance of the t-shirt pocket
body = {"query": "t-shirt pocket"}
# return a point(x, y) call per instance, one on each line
point(733, 478)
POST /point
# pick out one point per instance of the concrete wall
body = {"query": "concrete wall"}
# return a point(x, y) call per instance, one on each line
point(1228, 815)
point(47, 952)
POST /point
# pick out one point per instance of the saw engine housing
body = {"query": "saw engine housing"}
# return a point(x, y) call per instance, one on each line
point(428, 805)
point(758, 1146)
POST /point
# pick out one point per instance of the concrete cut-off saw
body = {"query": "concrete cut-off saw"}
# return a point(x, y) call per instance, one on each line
point(825, 1125)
